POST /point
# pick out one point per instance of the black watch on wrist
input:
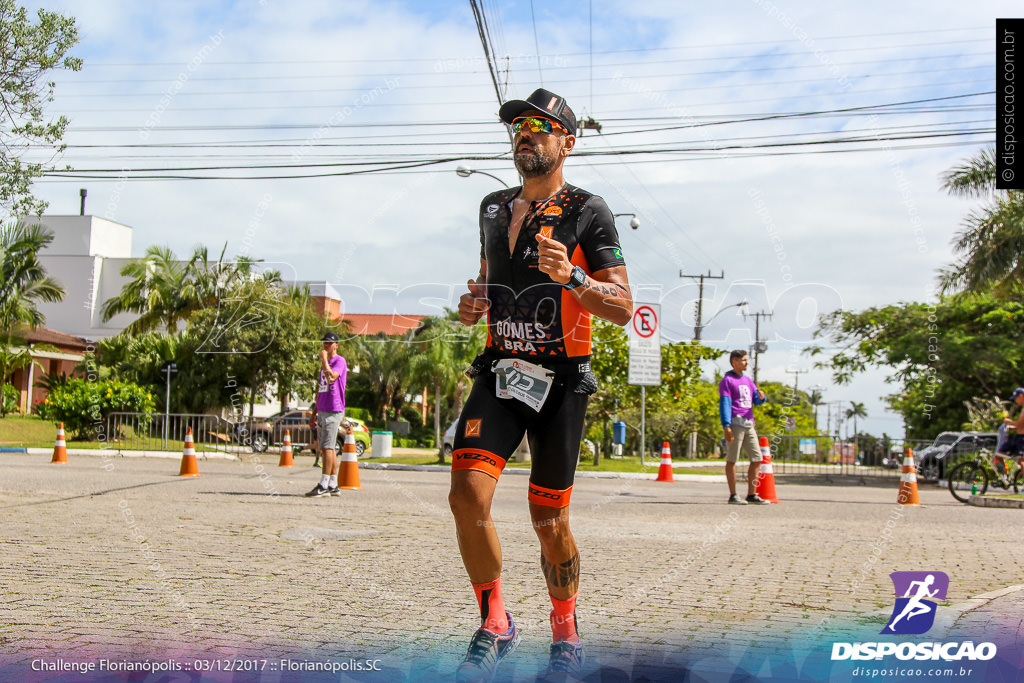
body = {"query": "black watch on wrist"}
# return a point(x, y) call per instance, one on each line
point(576, 278)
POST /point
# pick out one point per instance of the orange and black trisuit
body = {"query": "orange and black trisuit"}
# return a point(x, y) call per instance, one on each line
point(532, 318)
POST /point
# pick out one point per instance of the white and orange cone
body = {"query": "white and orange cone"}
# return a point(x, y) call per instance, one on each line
point(286, 450)
point(765, 477)
point(908, 481)
point(189, 466)
point(665, 470)
point(60, 447)
point(348, 464)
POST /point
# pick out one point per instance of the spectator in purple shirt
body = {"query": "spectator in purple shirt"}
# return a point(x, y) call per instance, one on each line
point(329, 409)
point(737, 397)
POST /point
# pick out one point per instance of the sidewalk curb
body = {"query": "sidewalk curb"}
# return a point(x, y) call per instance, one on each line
point(952, 614)
point(983, 502)
point(108, 453)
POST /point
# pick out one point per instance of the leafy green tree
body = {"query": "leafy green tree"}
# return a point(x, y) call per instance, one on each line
point(259, 337)
point(23, 285)
point(939, 356)
point(991, 243)
point(679, 405)
point(31, 51)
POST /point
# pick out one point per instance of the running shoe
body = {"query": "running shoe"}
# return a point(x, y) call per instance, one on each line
point(334, 491)
point(565, 662)
point(318, 490)
point(485, 651)
point(755, 499)
point(735, 500)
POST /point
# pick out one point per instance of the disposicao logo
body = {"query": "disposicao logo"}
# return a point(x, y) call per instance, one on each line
point(916, 596)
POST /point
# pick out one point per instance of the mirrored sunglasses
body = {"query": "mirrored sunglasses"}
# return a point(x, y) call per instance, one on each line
point(536, 124)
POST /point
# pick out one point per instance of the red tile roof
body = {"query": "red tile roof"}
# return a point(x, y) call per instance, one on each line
point(377, 323)
point(63, 341)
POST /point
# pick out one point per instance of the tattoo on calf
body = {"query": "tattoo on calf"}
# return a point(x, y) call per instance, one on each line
point(562, 575)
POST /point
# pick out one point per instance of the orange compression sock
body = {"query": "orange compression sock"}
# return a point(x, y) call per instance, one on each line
point(563, 620)
point(492, 606)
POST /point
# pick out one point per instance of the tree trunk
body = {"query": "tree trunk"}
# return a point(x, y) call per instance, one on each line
point(437, 422)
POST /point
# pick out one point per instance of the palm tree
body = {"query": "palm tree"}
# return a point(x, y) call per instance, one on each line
point(384, 361)
point(23, 284)
point(439, 364)
point(854, 411)
point(165, 292)
point(990, 245)
point(816, 398)
point(154, 293)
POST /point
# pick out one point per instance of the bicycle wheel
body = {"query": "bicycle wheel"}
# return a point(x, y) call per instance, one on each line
point(1018, 481)
point(962, 479)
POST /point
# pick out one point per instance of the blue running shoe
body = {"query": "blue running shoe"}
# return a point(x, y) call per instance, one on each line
point(565, 662)
point(485, 651)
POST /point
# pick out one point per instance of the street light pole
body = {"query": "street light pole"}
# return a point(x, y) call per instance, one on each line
point(465, 172)
point(633, 223)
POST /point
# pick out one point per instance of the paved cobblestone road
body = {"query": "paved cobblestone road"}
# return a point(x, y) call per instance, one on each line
point(119, 557)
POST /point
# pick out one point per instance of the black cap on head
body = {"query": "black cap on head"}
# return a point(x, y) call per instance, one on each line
point(330, 337)
point(543, 101)
point(1017, 392)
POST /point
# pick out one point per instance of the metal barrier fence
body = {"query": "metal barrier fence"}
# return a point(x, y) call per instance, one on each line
point(826, 456)
point(210, 433)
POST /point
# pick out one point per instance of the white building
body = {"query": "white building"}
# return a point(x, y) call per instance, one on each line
point(86, 256)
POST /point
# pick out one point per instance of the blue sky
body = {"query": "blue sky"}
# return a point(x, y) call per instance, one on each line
point(406, 80)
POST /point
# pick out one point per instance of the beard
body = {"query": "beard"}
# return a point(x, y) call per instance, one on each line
point(535, 165)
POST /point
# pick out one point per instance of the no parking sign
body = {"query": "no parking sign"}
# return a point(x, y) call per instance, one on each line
point(645, 346)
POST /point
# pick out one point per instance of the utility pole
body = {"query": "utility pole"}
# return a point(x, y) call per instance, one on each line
point(796, 378)
point(759, 346)
point(700, 297)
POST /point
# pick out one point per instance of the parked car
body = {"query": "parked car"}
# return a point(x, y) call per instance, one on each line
point(261, 434)
point(948, 449)
point(448, 438)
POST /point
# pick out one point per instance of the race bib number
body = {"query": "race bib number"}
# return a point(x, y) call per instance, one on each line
point(523, 381)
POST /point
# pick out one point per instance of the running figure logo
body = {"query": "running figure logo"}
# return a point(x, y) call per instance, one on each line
point(916, 596)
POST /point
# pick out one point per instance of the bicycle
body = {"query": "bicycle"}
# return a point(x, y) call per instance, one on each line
point(987, 468)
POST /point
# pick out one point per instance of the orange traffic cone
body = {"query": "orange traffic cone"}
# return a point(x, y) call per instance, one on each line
point(60, 448)
point(348, 464)
point(765, 477)
point(908, 481)
point(286, 450)
point(665, 471)
point(189, 467)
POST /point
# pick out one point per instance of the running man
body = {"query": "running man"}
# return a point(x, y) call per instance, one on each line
point(737, 397)
point(549, 259)
point(916, 605)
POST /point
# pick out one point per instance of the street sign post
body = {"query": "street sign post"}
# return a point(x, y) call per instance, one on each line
point(645, 359)
point(169, 370)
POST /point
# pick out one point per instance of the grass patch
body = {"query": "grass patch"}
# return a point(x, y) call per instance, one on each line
point(27, 431)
